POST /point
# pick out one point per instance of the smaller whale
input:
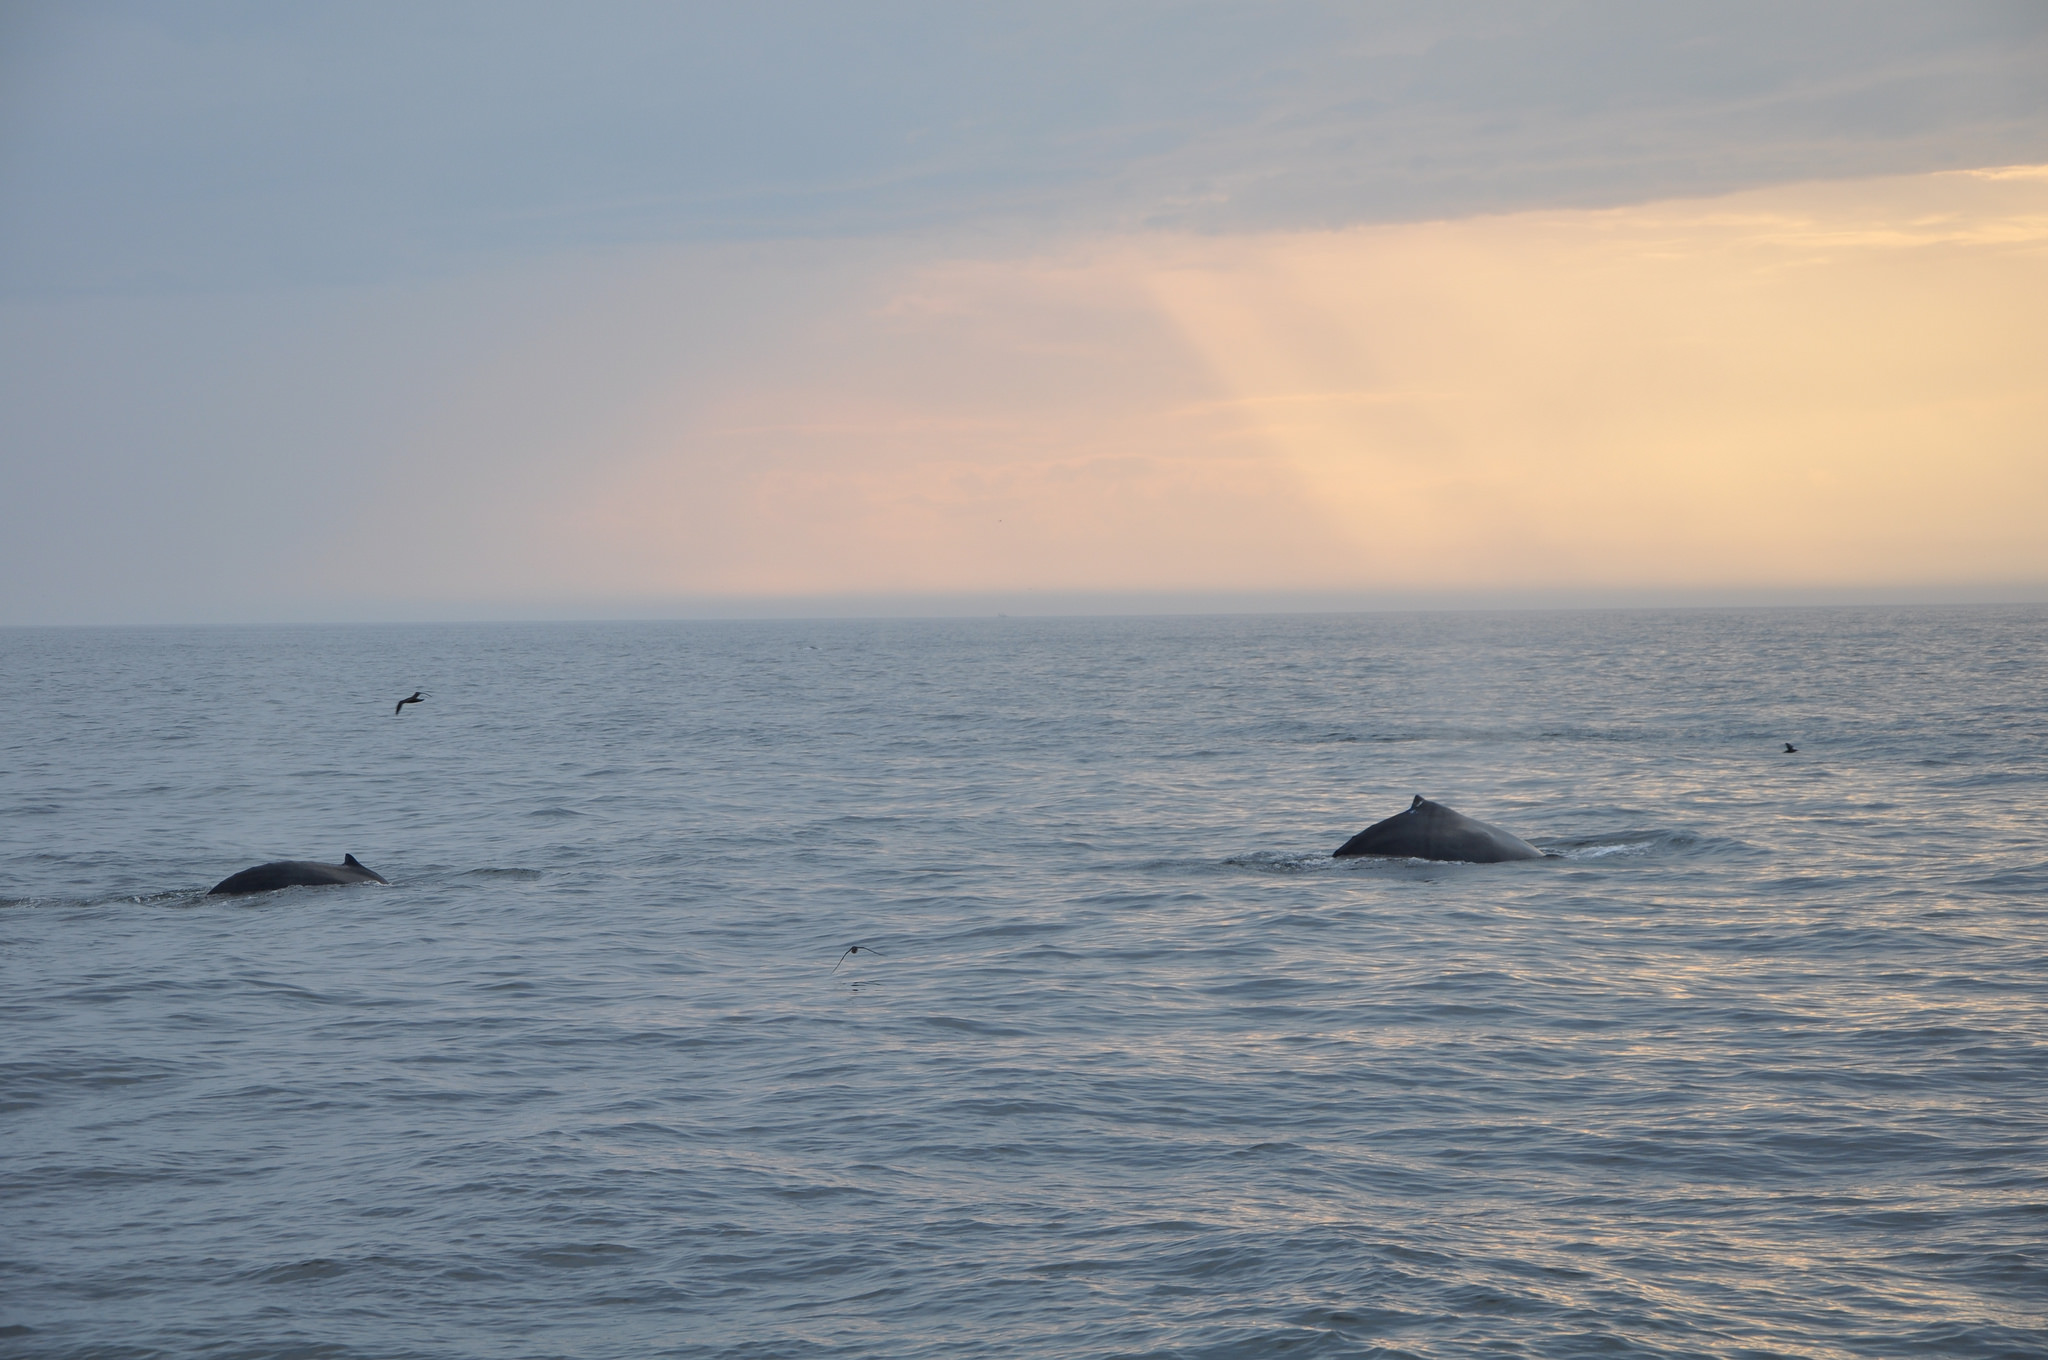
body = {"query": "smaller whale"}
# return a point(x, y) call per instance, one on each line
point(1432, 831)
point(295, 873)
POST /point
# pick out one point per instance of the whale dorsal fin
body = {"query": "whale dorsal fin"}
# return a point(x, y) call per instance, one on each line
point(350, 861)
point(1416, 804)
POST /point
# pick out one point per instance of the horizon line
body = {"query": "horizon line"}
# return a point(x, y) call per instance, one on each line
point(881, 606)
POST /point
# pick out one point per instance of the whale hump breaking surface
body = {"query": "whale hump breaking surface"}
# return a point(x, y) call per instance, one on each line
point(1429, 830)
point(296, 873)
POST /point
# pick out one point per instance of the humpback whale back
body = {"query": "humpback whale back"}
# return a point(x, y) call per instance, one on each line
point(296, 873)
point(1432, 831)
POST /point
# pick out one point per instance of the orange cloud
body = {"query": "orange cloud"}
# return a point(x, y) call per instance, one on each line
point(1813, 385)
point(1833, 384)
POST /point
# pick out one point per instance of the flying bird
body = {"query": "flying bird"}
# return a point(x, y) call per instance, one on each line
point(1790, 748)
point(416, 697)
point(850, 949)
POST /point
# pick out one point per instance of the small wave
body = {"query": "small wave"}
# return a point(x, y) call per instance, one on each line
point(579, 1255)
point(184, 897)
point(1633, 844)
point(1008, 930)
point(1281, 861)
point(521, 874)
point(959, 1025)
point(2028, 878)
point(1369, 738)
point(318, 1268)
point(1603, 849)
point(1360, 864)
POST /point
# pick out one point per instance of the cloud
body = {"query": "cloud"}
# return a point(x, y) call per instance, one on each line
point(805, 418)
point(1829, 385)
point(310, 312)
point(226, 146)
point(1815, 386)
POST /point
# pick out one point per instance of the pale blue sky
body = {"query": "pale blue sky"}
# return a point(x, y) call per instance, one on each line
point(207, 145)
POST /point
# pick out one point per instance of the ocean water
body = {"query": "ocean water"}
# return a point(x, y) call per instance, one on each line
point(1126, 1064)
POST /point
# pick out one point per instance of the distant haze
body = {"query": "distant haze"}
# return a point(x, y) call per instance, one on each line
point(493, 311)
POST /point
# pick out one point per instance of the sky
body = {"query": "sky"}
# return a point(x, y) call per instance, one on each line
point(476, 311)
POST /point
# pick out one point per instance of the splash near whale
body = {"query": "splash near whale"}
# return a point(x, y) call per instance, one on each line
point(295, 873)
point(1432, 831)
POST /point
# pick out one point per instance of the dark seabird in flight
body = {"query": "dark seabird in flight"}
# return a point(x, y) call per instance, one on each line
point(415, 698)
point(851, 949)
point(1790, 748)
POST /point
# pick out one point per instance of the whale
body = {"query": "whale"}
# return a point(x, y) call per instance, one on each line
point(1432, 831)
point(295, 873)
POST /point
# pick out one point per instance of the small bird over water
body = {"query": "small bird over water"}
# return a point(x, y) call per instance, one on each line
point(414, 698)
point(851, 949)
point(1790, 748)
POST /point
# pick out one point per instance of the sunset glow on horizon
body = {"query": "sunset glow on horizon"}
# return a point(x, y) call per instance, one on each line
point(658, 312)
point(1823, 384)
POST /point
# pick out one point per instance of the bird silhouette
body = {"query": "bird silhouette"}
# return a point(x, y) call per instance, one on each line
point(1790, 748)
point(850, 949)
point(414, 698)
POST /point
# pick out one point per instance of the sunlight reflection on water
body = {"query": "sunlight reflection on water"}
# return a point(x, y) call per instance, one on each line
point(1128, 1064)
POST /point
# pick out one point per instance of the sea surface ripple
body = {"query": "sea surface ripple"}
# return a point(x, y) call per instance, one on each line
point(1126, 1065)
